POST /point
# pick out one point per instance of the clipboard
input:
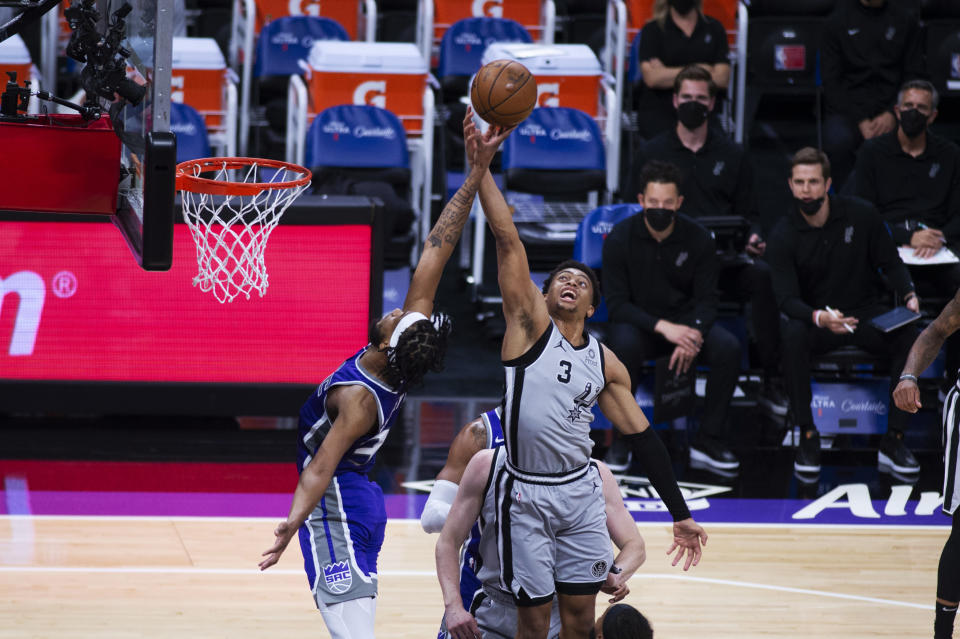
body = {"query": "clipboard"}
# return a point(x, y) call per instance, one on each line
point(892, 320)
point(673, 395)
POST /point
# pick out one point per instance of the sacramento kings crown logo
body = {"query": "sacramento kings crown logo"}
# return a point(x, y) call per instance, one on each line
point(337, 577)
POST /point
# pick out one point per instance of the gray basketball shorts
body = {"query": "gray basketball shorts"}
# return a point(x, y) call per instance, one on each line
point(496, 615)
point(341, 540)
point(951, 443)
point(551, 533)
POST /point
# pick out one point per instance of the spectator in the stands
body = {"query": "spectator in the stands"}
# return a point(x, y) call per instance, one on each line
point(679, 34)
point(869, 48)
point(718, 181)
point(660, 282)
point(832, 261)
point(913, 178)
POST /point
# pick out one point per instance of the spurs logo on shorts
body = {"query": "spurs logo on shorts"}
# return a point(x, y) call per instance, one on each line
point(599, 569)
point(337, 577)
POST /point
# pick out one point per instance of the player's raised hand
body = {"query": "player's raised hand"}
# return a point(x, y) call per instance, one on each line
point(687, 537)
point(284, 533)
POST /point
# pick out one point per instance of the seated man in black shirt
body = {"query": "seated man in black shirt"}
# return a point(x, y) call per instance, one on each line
point(869, 48)
point(913, 178)
point(660, 280)
point(827, 255)
point(718, 180)
point(679, 34)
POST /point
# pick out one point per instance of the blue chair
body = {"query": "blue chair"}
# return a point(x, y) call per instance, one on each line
point(555, 151)
point(465, 41)
point(284, 42)
point(362, 150)
point(191, 131)
point(593, 230)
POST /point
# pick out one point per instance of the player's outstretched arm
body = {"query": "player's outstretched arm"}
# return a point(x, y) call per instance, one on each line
point(356, 412)
point(465, 510)
point(445, 233)
point(617, 403)
point(907, 394)
point(471, 439)
point(624, 533)
point(523, 307)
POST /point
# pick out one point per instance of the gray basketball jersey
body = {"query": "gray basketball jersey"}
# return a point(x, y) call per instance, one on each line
point(550, 391)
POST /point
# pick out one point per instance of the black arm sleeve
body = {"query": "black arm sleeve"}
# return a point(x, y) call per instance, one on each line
point(653, 456)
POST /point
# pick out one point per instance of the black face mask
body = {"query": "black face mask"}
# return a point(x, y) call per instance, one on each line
point(912, 123)
point(809, 207)
point(659, 219)
point(682, 7)
point(691, 114)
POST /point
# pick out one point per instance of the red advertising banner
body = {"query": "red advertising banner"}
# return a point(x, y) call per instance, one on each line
point(74, 305)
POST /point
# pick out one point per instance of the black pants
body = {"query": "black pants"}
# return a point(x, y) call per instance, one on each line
point(752, 282)
point(841, 139)
point(720, 351)
point(941, 281)
point(802, 340)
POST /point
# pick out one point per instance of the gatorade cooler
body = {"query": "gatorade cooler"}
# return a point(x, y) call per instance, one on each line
point(390, 75)
point(14, 56)
point(197, 78)
point(568, 75)
point(346, 12)
point(446, 12)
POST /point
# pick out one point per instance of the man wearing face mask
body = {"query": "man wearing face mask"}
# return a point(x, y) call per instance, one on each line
point(660, 279)
point(827, 256)
point(913, 178)
point(869, 48)
point(678, 35)
point(718, 180)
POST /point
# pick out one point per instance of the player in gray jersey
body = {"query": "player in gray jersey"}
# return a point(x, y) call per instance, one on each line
point(551, 523)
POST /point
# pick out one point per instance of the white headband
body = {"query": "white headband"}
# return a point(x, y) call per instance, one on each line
point(404, 324)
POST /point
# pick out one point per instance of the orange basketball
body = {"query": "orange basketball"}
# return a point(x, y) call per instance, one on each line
point(503, 92)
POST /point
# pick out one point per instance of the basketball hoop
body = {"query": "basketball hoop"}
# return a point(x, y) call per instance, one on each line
point(231, 216)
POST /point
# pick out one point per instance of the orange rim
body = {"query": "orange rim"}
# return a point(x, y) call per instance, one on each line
point(188, 181)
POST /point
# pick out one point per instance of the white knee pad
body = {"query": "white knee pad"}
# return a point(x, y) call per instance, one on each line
point(350, 619)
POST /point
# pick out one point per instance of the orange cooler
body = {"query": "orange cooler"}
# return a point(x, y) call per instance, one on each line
point(446, 12)
point(346, 12)
point(390, 75)
point(567, 75)
point(197, 77)
point(14, 56)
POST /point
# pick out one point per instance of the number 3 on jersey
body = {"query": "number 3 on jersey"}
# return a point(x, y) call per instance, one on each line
point(564, 375)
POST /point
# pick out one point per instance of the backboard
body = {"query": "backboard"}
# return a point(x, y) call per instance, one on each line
point(145, 206)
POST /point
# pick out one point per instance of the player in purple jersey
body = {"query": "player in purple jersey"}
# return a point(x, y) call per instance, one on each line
point(339, 514)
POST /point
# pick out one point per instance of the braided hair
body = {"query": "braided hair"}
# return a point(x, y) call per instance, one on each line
point(623, 621)
point(421, 349)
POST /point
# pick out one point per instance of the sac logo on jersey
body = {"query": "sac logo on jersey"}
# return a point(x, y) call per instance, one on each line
point(337, 577)
point(371, 92)
point(487, 8)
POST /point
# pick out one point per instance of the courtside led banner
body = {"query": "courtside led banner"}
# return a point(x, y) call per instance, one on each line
point(74, 305)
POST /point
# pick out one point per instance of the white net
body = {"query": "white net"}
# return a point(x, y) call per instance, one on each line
point(231, 231)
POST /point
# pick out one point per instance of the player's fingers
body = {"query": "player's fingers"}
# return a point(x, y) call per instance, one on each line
point(703, 536)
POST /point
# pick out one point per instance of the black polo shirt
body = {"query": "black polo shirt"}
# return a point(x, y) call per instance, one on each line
point(717, 178)
point(911, 190)
point(707, 45)
point(866, 54)
point(645, 281)
point(834, 265)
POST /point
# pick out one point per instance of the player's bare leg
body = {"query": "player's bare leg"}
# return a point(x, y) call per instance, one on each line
point(576, 615)
point(533, 622)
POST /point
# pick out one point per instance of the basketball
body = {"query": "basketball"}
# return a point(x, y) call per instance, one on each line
point(503, 92)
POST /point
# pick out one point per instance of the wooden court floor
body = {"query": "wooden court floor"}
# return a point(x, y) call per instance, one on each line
point(197, 577)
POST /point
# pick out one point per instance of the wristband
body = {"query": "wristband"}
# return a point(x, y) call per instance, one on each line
point(906, 376)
